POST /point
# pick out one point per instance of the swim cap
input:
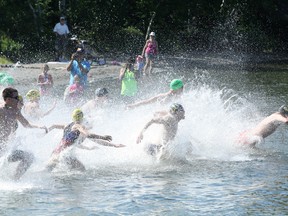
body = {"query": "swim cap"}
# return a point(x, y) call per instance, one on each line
point(33, 94)
point(20, 99)
point(284, 110)
point(176, 84)
point(6, 79)
point(174, 108)
point(77, 115)
point(100, 92)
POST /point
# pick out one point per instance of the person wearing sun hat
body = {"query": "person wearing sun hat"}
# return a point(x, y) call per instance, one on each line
point(150, 51)
point(176, 90)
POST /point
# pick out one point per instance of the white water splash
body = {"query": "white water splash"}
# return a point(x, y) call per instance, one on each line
point(213, 120)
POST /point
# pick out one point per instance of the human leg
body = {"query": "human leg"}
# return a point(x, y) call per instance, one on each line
point(25, 158)
point(74, 163)
point(53, 162)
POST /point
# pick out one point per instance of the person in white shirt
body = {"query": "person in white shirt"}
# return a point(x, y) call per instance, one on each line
point(61, 31)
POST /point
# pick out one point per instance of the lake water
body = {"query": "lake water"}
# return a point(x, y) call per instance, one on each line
point(218, 178)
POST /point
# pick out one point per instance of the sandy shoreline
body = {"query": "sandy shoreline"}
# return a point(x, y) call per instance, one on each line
point(27, 75)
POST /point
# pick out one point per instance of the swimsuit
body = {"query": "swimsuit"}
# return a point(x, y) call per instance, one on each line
point(68, 139)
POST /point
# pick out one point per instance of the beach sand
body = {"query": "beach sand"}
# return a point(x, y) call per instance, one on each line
point(27, 75)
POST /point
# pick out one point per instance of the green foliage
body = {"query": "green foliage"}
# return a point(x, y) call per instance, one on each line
point(119, 26)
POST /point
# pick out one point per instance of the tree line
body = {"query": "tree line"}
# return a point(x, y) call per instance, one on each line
point(117, 27)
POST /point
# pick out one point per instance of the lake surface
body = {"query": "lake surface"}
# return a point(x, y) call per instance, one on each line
point(218, 178)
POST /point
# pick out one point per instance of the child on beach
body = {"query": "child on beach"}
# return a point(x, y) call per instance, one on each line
point(140, 64)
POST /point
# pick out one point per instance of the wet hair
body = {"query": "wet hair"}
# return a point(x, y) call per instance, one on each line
point(283, 110)
point(9, 93)
point(176, 107)
point(100, 92)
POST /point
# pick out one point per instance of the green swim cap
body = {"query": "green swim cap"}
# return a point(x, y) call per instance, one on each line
point(77, 115)
point(176, 84)
point(6, 79)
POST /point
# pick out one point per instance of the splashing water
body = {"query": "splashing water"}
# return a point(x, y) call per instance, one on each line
point(213, 120)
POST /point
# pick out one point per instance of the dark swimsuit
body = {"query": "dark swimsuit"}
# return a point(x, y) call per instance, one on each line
point(68, 139)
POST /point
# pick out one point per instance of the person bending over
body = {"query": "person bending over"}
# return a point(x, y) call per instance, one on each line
point(169, 119)
point(76, 133)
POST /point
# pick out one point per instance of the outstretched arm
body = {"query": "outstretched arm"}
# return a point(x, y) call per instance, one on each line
point(27, 124)
point(95, 136)
point(106, 143)
point(140, 136)
point(56, 127)
point(148, 101)
point(104, 140)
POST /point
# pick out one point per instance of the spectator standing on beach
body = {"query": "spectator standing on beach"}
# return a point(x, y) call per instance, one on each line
point(61, 31)
point(128, 79)
point(80, 67)
point(45, 82)
point(150, 50)
point(139, 65)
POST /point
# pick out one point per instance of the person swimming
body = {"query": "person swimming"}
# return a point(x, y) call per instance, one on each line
point(265, 128)
point(169, 119)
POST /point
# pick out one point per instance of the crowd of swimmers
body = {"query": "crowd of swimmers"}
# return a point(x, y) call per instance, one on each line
point(76, 131)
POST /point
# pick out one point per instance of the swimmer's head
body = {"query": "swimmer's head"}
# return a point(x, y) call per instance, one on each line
point(10, 93)
point(101, 92)
point(77, 115)
point(177, 110)
point(33, 95)
point(176, 84)
point(283, 110)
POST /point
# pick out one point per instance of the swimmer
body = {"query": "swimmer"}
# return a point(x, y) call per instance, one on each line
point(169, 119)
point(265, 128)
point(76, 133)
point(73, 94)
point(99, 101)
point(176, 91)
point(32, 107)
point(10, 114)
